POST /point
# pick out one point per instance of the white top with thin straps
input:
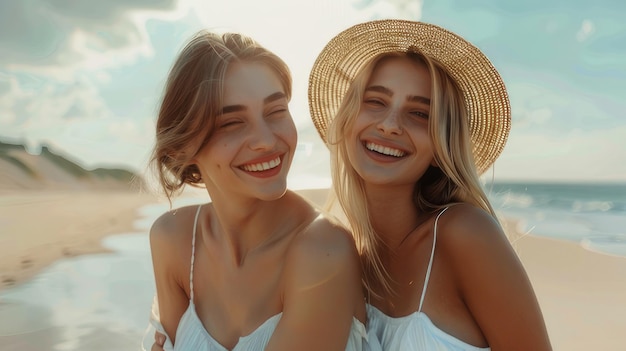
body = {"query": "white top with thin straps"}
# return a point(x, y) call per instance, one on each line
point(192, 336)
point(415, 332)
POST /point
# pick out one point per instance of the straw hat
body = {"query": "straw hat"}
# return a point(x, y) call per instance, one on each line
point(481, 85)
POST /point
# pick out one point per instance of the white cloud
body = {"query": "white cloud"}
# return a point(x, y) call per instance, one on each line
point(130, 130)
point(57, 37)
point(586, 29)
point(526, 117)
point(561, 133)
point(80, 100)
point(42, 108)
point(54, 58)
point(556, 106)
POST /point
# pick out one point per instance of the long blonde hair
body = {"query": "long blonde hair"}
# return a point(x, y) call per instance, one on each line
point(454, 180)
point(192, 100)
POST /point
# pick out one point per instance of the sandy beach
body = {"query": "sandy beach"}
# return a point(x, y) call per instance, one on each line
point(40, 227)
point(582, 293)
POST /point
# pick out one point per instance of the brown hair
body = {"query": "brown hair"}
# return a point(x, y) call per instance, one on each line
point(192, 100)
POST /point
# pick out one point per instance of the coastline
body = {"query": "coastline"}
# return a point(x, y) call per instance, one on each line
point(582, 293)
point(38, 228)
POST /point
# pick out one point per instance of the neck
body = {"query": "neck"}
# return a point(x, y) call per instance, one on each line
point(242, 227)
point(392, 213)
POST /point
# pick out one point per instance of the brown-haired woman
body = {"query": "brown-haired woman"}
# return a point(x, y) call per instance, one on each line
point(257, 268)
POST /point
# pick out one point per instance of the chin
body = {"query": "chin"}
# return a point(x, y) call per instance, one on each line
point(273, 192)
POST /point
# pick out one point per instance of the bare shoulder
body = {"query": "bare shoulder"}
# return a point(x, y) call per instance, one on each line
point(322, 269)
point(322, 235)
point(323, 239)
point(324, 253)
point(173, 228)
point(475, 247)
point(464, 229)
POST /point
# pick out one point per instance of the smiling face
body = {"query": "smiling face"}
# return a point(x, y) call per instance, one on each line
point(252, 147)
point(388, 142)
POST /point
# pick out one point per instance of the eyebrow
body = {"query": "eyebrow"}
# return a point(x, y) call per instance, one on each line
point(419, 99)
point(271, 98)
point(388, 92)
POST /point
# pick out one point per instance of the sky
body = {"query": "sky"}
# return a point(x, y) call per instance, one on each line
point(85, 77)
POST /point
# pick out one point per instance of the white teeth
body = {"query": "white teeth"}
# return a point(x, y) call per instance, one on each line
point(385, 150)
point(258, 167)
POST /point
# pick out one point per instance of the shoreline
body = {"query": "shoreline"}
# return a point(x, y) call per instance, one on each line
point(38, 228)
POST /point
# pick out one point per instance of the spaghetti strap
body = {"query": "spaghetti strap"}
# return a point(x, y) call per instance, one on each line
point(430, 262)
point(193, 253)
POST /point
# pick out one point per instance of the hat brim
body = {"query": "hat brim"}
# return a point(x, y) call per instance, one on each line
point(482, 87)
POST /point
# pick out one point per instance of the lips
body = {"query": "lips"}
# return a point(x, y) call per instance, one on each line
point(261, 166)
point(384, 150)
point(266, 167)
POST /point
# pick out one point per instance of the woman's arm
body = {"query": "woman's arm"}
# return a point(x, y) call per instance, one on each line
point(322, 291)
point(493, 282)
point(168, 251)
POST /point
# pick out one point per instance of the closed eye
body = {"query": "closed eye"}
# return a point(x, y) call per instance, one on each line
point(419, 114)
point(277, 114)
point(374, 102)
point(229, 123)
point(278, 111)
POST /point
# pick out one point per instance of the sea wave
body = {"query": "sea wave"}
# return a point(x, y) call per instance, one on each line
point(524, 200)
point(592, 206)
point(614, 244)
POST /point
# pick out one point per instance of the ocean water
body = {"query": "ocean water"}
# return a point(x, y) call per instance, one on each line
point(593, 215)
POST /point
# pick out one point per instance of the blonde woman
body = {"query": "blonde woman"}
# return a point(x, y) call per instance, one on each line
point(257, 267)
point(413, 114)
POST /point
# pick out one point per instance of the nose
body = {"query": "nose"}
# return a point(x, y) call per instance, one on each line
point(263, 136)
point(390, 124)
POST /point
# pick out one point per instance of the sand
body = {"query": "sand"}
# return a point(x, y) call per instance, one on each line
point(40, 227)
point(582, 293)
